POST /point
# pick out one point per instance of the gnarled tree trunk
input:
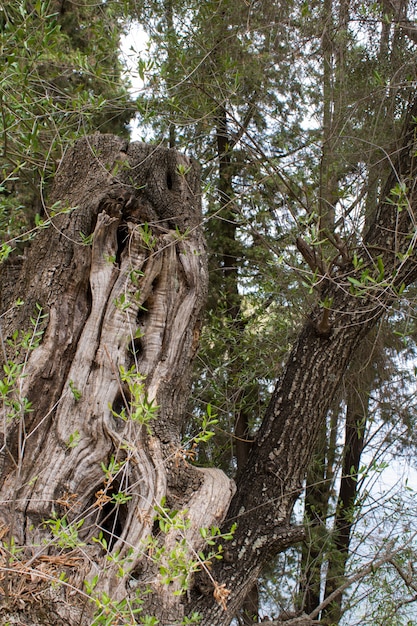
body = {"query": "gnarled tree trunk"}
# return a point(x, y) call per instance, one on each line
point(132, 299)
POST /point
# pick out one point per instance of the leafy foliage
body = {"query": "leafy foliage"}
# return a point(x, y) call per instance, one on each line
point(61, 78)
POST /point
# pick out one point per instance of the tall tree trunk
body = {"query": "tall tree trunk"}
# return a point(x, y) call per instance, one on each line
point(319, 489)
point(230, 249)
point(357, 406)
point(319, 482)
point(232, 301)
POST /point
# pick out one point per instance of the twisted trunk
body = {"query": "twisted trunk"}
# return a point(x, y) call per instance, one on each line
point(131, 300)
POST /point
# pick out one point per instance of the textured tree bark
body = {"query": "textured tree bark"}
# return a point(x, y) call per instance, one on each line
point(134, 298)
